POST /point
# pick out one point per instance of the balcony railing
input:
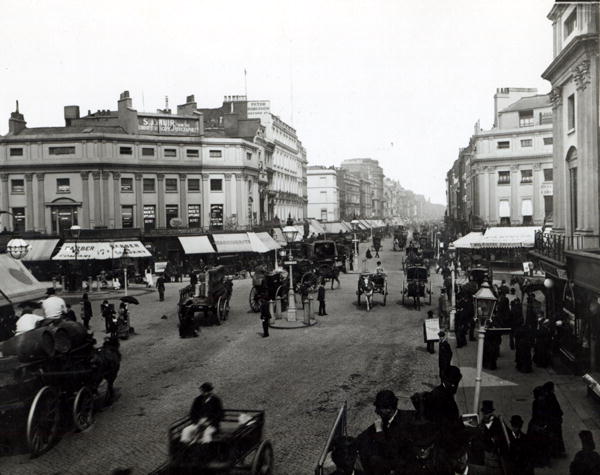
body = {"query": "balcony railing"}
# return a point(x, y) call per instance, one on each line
point(554, 245)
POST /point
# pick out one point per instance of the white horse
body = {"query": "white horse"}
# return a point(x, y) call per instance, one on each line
point(365, 286)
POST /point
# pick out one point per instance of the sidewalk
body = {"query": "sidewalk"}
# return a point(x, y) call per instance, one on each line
point(512, 393)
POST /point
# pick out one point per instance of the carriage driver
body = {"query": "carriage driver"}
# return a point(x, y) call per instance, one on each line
point(206, 415)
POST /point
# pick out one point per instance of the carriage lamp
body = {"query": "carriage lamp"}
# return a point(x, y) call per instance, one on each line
point(18, 248)
point(485, 303)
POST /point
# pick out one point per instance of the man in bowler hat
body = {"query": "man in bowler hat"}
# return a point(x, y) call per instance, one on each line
point(490, 442)
point(206, 415)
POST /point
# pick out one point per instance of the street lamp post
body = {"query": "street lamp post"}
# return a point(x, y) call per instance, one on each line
point(485, 303)
point(125, 260)
point(75, 233)
point(290, 234)
point(354, 224)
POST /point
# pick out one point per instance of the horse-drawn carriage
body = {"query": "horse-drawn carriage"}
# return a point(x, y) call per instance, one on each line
point(370, 284)
point(210, 297)
point(416, 285)
point(269, 285)
point(399, 240)
point(238, 446)
point(49, 380)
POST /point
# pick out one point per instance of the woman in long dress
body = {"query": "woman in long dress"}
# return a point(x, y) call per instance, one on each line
point(149, 279)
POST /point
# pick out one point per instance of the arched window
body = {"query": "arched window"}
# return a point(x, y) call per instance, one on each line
point(572, 169)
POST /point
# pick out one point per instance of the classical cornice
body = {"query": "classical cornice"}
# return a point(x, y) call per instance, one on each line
point(587, 43)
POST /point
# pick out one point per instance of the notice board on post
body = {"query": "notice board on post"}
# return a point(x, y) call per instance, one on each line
point(431, 328)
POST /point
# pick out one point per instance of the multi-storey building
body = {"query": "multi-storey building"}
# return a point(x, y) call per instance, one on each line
point(350, 194)
point(323, 193)
point(369, 169)
point(366, 198)
point(511, 164)
point(570, 253)
point(129, 169)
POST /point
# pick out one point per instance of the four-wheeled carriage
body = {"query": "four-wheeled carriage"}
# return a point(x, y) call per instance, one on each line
point(209, 297)
point(325, 261)
point(269, 285)
point(238, 446)
point(416, 285)
point(49, 378)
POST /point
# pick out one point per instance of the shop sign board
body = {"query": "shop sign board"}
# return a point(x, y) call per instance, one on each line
point(547, 189)
point(168, 126)
point(216, 216)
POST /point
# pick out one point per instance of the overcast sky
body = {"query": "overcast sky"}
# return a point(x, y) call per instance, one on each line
point(399, 81)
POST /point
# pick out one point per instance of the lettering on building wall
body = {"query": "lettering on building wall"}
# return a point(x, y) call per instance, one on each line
point(164, 126)
point(216, 216)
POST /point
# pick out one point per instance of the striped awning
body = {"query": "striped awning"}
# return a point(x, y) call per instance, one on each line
point(196, 245)
point(230, 243)
point(511, 237)
point(268, 241)
point(41, 249)
point(257, 244)
point(467, 241)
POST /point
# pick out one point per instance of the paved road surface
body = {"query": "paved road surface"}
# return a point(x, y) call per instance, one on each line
point(300, 377)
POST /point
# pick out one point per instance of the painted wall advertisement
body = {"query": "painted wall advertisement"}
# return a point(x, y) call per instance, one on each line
point(166, 126)
point(216, 216)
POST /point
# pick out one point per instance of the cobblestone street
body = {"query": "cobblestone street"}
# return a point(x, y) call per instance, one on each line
point(299, 376)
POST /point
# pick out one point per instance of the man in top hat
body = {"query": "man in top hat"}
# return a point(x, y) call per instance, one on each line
point(587, 460)
point(206, 415)
point(54, 306)
point(490, 441)
point(445, 355)
point(519, 454)
point(382, 445)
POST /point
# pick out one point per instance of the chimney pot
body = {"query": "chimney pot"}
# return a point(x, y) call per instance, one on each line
point(189, 99)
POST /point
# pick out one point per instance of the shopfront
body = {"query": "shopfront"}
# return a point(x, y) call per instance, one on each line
point(581, 309)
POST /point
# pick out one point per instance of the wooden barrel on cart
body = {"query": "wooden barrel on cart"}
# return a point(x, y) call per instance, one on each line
point(68, 335)
point(30, 345)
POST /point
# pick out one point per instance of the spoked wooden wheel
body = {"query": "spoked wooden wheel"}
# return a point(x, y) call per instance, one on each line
point(220, 310)
point(42, 421)
point(254, 302)
point(263, 460)
point(83, 409)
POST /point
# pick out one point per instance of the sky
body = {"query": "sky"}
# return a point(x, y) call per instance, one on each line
point(399, 81)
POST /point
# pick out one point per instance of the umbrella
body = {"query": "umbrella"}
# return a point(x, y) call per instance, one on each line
point(129, 299)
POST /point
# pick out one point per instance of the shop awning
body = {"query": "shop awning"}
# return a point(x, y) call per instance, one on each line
point(300, 234)
point(466, 242)
point(230, 243)
point(41, 249)
point(17, 283)
point(334, 228)
point(100, 250)
point(347, 226)
point(508, 237)
point(316, 227)
point(364, 224)
point(196, 245)
point(268, 241)
point(257, 244)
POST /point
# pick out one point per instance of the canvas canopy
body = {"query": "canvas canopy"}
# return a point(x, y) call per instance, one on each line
point(257, 244)
point(41, 249)
point(316, 227)
point(334, 228)
point(466, 242)
point(230, 243)
point(268, 241)
point(17, 284)
point(508, 237)
point(100, 250)
point(196, 245)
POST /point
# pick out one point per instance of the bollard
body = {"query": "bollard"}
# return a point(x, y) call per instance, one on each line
point(310, 311)
point(306, 306)
point(272, 308)
point(277, 308)
point(98, 282)
point(62, 283)
point(54, 283)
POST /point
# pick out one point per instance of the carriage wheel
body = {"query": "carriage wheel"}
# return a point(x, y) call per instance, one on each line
point(220, 310)
point(385, 292)
point(42, 421)
point(253, 299)
point(83, 409)
point(263, 460)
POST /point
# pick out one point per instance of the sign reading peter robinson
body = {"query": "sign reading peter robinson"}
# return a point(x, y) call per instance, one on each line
point(168, 126)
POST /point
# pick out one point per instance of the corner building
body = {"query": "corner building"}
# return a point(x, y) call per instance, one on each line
point(127, 169)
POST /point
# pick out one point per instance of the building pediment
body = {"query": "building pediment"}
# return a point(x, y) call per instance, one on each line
point(63, 201)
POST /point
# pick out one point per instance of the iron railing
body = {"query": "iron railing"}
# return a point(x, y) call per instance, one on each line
point(554, 245)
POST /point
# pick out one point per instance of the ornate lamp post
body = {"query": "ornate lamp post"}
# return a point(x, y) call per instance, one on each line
point(354, 224)
point(18, 248)
point(485, 303)
point(290, 234)
point(125, 262)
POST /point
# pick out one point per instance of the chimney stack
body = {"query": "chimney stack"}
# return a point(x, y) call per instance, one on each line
point(16, 123)
point(71, 114)
point(125, 101)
